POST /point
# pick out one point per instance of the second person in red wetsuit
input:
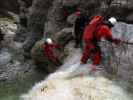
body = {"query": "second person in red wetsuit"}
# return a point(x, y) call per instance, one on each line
point(91, 48)
point(49, 47)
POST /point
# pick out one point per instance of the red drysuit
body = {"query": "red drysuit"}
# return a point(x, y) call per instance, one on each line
point(91, 49)
point(49, 52)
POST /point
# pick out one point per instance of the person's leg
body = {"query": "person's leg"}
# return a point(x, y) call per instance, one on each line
point(76, 41)
point(58, 62)
point(55, 60)
point(86, 53)
point(80, 40)
point(96, 58)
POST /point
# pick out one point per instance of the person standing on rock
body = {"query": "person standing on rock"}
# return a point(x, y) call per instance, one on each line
point(97, 29)
point(48, 48)
point(79, 26)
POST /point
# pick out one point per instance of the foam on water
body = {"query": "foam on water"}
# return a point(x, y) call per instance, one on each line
point(76, 83)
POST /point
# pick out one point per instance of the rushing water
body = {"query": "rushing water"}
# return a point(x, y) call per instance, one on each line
point(74, 82)
point(11, 90)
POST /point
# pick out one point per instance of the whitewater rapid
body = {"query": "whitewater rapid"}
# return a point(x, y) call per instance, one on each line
point(75, 82)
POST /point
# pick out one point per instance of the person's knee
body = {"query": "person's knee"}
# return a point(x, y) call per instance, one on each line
point(97, 59)
point(84, 59)
point(96, 62)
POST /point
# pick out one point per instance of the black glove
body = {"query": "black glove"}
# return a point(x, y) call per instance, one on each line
point(116, 41)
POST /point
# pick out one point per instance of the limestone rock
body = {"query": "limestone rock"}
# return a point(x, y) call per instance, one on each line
point(5, 58)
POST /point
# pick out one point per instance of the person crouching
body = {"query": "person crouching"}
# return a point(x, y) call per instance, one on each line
point(48, 48)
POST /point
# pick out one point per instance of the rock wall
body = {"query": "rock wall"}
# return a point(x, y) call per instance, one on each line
point(122, 9)
point(36, 20)
point(12, 6)
point(50, 16)
point(9, 5)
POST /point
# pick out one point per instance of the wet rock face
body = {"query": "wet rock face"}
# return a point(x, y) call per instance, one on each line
point(5, 58)
point(9, 5)
point(12, 5)
point(36, 19)
point(122, 9)
point(63, 8)
point(37, 15)
point(12, 62)
point(55, 18)
point(121, 13)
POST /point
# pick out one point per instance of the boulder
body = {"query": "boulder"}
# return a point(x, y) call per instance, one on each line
point(21, 34)
point(64, 36)
point(5, 58)
point(71, 19)
point(70, 2)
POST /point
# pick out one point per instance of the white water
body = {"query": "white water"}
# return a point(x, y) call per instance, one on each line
point(75, 82)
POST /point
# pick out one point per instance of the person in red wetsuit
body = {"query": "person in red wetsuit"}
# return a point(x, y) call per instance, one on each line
point(49, 47)
point(91, 48)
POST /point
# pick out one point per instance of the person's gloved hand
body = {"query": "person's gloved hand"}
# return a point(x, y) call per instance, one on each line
point(117, 41)
point(82, 63)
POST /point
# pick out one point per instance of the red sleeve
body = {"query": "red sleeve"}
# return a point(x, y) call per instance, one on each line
point(56, 45)
point(106, 32)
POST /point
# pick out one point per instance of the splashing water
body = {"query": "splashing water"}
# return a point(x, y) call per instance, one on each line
point(76, 83)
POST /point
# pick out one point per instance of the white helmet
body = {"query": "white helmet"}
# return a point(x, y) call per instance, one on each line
point(112, 20)
point(49, 41)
